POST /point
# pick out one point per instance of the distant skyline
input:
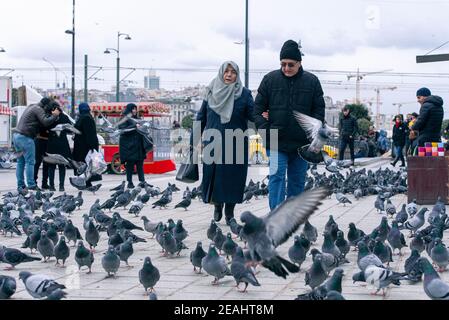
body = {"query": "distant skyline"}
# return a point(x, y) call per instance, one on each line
point(174, 34)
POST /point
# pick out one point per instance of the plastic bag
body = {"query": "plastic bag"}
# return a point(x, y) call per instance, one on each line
point(95, 163)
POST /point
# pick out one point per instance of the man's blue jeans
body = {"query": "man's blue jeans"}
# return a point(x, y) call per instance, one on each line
point(26, 161)
point(295, 167)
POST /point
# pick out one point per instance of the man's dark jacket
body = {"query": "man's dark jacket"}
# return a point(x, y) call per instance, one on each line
point(348, 127)
point(280, 95)
point(430, 120)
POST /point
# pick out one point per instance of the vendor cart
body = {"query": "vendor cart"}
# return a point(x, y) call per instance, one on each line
point(158, 160)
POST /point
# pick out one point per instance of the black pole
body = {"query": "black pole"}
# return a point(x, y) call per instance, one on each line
point(86, 94)
point(246, 48)
point(72, 112)
point(118, 80)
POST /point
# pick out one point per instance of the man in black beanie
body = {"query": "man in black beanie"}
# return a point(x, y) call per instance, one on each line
point(281, 92)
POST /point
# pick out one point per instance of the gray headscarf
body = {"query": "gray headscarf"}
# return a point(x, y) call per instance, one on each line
point(221, 96)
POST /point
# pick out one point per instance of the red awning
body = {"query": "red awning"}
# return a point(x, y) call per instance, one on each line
point(146, 107)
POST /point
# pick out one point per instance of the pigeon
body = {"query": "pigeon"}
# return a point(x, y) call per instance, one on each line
point(126, 224)
point(136, 207)
point(163, 201)
point(440, 255)
point(45, 246)
point(379, 204)
point(170, 245)
point(196, 256)
point(297, 253)
point(215, 265)
point(315, 275)
point(382, 230)
point(185, 203)
point(236, 229)
point(416, 222)
point(123, 200)
point(383, 251)
point(310, 232)
point(396, 238)
point(95, 188)
point(212, 230)
point(318, 133)
point(120, 187)
point(62, 251)
point(92, 235)
point(56, 159)
point(329, 246)
point(328, 260)
point(417, 243)
point(412, 268)
point(267, 233)
point(84, 257)
point(434, 287)
point(342, 244)
point(379, 277)
point(149, 226)
point(125, 250)
point(342, 199)
point(333, 284)
point(8, 287)
point(390, 209)
point(229, 247)
point(56, 295)
point(109, 204)
point(402, 215)
point(334, 295)
point(354, 235)
point(149, 275)
point(14, 257)
point(38, 285)
point(111, 262)
point(412, 208)
point(365, 258)
point(179, 233)
point(72, 233)
point(241, 272)
point(79, 200)
point(67, 127)
point(219, 239)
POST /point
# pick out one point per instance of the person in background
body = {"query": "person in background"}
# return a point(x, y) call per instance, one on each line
point(88, 140)
point(348, 129)
point(430, 119)
point(227, 106)
point(363, 148)
point(131, 147)
point(282, 91)
point(412, 135)
point(41, 143)
point(382, 143)
point(400, 131)
point(58, 145)
point(33, 119)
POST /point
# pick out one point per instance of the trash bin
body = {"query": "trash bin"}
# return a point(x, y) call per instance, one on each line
point(428, 179)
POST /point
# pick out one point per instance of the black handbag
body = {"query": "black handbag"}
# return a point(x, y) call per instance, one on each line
point(188, 172)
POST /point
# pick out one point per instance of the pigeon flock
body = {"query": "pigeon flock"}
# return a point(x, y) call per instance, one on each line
point(284, 242)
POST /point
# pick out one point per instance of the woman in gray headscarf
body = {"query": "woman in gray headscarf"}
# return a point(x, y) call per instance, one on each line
point(226, 109)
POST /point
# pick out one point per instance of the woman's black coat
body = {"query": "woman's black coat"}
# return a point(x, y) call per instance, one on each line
point(59, 145)
point(225, 183)
point(88, 140)
point(131, 146)
point(399, 135)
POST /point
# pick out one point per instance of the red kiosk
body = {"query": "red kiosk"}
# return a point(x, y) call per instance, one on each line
point(159, 160)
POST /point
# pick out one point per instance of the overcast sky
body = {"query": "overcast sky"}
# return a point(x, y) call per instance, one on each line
point(201, 34)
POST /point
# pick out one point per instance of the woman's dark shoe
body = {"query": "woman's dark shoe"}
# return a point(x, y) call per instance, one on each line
point(229, 212)
point(52, 188)
point(131, 185)
point(45, 187)
point(61, 189)
point(218, 213)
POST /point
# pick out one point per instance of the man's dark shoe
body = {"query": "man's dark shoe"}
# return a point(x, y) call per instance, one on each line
point(218, 213)
point(45, 187)
point(52, 188)
point(61, 189)
point(131, 185)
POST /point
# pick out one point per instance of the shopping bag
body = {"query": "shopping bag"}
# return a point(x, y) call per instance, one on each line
point(188, 172)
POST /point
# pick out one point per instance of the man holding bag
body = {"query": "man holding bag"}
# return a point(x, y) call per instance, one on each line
point(88, 140)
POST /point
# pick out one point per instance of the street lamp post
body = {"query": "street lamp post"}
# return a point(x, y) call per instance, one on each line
point(127, 37)
point(246, 48)
point(72, 32)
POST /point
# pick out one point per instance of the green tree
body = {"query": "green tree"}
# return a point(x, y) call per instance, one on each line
point(364, 125)
point(443, 128)
point(187, 122)
point(359, 111)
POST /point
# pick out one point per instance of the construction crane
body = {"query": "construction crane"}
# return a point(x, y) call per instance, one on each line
point(400, 104)
point(377, 90)
point(359, 77)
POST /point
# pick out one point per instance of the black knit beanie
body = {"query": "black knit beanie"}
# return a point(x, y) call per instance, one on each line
point(290, 50)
